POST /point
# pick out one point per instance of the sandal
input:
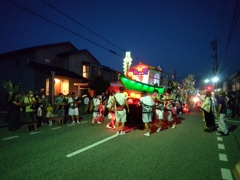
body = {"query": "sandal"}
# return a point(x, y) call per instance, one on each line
point(208, 130)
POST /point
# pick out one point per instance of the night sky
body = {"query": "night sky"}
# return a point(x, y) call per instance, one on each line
point(175, 34)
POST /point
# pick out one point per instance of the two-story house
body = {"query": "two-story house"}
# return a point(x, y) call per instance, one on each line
point(52, 68)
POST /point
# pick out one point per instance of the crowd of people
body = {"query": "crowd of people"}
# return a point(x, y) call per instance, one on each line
point(34, 110)
point(37, 111)
point(216, 109)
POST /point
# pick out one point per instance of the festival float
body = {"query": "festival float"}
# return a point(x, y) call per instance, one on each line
point(140, 77)
point(136, 79)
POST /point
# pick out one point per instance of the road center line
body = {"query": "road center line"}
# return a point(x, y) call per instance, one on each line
point(84, 121)
point(12, 137)
point(219, 138)
point(35, 132)
point(91, 146)
point(56, 128)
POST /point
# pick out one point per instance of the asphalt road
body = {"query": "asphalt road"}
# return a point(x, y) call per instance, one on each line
point(92, 152)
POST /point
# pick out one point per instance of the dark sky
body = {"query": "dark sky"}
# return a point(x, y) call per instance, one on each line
point(175, 34)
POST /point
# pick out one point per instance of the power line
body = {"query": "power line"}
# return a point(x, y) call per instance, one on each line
point(62, 27)
point(74, 20)
point(233, 26)
point(66, 29)
point(80, 24)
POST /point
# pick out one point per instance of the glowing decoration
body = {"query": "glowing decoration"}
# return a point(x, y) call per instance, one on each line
point(127, 62)
point(138, 86)
point(139, 69)
point(196, 99)
point(185, 108)
point(132, 94)
point(138, 96)
point(125, 93)
point(130, 74)
point(134, 77)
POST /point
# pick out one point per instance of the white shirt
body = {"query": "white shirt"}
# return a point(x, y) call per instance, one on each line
point(147, 100)
point(96, 102)
point(120, 98)
point(86, 100)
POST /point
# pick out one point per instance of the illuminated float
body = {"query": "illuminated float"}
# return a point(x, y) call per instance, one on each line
point(136, 79)
point(140, 77)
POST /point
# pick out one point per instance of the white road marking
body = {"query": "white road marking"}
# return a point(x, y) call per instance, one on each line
point(232, 121)
point(84, 121)
point(96, 144)
point(56, 128)
point(219, 138)
point(226, 174)
point(223, 157)
point(221, 146)
point(71, 125)
point(35, 132)
point(91, 146)
point(12, 137)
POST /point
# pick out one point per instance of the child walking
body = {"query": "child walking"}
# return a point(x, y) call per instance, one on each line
point(49, 115)
point(40, 114)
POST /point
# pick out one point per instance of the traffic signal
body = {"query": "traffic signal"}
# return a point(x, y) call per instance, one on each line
point(209, 88)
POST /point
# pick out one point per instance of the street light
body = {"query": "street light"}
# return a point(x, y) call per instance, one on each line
point(206, 80)
point(211, 83)
point(215, 79)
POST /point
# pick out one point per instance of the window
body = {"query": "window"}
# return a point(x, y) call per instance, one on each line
point(47, 60)
point(154, 77)
point(85, 70)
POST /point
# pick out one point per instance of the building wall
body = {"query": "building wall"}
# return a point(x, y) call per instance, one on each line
point(14, 66)
point(235, 81)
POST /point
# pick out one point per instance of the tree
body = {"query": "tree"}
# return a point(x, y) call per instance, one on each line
point(10, 88)
point(189, 82)
point(99, 85)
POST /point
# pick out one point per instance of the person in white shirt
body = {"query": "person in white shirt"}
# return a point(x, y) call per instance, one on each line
point(121, 113)
point(111, 111)
point(86, 103)
point(147, 111)
point(96, 108)
point(73, 111)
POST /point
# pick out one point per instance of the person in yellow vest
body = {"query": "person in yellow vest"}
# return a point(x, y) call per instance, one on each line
point(49, 115)
point(30, 114)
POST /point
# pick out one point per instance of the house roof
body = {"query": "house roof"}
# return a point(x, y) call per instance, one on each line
point(58, 71)
point(41, 47)
point(82, 51)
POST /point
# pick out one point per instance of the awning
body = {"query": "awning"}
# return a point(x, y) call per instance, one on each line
point(58, 71)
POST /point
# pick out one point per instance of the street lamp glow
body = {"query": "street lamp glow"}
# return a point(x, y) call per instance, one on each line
point(215, 79)
point(206, 80)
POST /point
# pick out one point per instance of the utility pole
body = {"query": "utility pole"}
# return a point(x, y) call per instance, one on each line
point(214, 45)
